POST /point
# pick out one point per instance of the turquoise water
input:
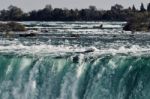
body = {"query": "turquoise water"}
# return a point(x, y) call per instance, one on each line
point(74, 77)
point(104, 65)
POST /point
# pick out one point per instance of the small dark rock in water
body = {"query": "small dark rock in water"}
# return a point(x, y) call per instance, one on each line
point(90, 50)
point(98, 27)
point(27, 35)
point(58, 57)
point(101, 25)
point(75, 35)
point(75, 59)
point(114, 36)
point(45, 31)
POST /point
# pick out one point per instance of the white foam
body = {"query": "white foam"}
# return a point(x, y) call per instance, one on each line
point(45, 48)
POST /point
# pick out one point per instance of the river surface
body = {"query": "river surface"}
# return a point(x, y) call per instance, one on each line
point(75, 60)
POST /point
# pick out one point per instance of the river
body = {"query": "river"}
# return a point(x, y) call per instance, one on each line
point(74, 60)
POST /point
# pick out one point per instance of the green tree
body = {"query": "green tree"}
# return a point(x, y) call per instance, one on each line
point(142, 8)
point(92, 8)
point(133, 8)
point(4, 15)
point(48, 7)
point(33, 15)
point(117, 7)
point(148, 7)
point(15, 13)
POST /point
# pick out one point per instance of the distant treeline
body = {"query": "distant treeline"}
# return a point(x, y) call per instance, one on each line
point(116, 13)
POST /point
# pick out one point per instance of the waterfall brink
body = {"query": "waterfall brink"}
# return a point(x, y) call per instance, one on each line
point(80, 76)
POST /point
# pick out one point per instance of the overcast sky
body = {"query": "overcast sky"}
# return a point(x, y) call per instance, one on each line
point(27, 5)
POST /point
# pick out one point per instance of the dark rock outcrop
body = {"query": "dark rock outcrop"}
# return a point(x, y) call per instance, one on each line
point(11, 26)
point(140, 22)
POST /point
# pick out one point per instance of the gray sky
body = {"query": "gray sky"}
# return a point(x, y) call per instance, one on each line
point(27, 5)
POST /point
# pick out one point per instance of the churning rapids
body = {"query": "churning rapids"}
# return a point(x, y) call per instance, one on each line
point(95, 64)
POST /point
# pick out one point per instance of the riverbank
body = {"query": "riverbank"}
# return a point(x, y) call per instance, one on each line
point(12, 26)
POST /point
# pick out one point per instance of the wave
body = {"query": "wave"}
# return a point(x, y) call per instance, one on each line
point(47, 49)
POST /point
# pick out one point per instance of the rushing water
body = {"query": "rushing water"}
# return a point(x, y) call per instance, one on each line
point(97, 64)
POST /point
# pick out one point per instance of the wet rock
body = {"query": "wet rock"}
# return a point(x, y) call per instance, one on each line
point(75, 59)
point(92, 49)
point(27, 35)
point(74, 35)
